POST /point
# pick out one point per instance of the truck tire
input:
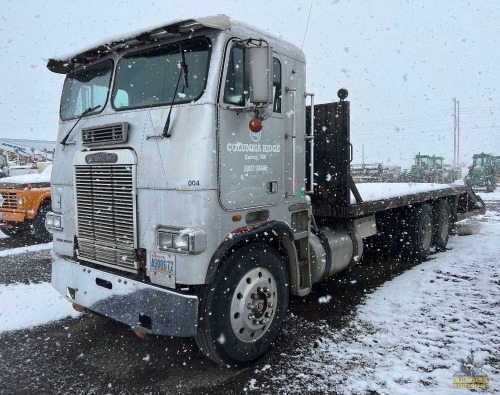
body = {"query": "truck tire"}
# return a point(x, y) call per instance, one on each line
point(15, 231)
point(441, 225)
point(242, 311)
point(417, 233)
point(490, 185)
point(40, 232)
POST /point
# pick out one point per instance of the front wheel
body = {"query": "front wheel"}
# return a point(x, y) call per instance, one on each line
point(490, 185)
point(15, 230)
point(39, 230)
point(242, 311)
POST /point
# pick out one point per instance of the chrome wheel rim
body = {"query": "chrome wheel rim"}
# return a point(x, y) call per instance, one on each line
point(253, 305)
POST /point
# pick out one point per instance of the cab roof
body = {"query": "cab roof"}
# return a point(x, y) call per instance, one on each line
point(69, 63)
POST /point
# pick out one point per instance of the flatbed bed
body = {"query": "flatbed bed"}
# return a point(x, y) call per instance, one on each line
point(378, 197)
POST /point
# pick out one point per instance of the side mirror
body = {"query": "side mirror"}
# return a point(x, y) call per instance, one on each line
point(261, 74)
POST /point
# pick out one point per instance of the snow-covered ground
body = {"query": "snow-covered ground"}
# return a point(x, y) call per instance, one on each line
point(407, 337)
point(410, 334)
point(27, 305)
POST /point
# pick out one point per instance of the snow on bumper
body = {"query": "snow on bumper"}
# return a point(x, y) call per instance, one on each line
point(141, 306)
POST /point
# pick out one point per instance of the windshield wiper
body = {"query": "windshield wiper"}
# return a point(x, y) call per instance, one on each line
point(183, 71)
point(87, 111)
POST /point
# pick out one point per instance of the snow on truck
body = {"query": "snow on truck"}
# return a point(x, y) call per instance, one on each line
point(196, 185)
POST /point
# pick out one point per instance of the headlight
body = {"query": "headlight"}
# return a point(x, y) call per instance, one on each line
point(164, 240)
point(53, 221)
point(181, 240)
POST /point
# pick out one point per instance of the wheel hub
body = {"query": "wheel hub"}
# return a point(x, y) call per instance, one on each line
point(253, 304)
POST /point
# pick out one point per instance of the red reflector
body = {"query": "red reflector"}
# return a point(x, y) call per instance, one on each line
point(78, 308)
point(139, 334)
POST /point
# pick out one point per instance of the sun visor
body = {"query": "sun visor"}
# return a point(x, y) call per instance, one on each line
point(68, 63)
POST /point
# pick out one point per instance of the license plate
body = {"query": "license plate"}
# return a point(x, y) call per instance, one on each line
point(161, 269)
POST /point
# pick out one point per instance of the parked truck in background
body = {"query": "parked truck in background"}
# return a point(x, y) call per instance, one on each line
point(24, 202)
point(194, 189)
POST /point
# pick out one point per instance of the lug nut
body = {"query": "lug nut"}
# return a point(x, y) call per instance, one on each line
point(259, 289)
point(268, 294)
point(251, 316)
point(250, 306)
point(253, 296)
point(269, 304)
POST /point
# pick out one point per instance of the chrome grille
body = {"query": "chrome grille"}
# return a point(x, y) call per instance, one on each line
point(107, 134)
point(9, 200)
point(105, 213)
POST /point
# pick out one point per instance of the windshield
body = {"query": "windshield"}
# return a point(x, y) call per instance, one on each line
point(424, 160)
point(173, 73)
point(482, 160)
point(86, 89)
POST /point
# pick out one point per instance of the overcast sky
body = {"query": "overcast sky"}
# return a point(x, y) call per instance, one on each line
point(402, 61)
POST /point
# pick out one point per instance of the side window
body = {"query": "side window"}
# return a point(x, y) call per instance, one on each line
point(236, 90)
point(276, 85)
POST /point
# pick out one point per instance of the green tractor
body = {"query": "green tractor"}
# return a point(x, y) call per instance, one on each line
point(482, 172)
point(430, 169)
point(420, 171)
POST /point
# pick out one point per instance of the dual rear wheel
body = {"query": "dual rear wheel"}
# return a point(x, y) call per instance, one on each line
point(420, 230)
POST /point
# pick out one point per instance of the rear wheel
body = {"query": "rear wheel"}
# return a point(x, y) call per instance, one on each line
point(242, 311)
point(441, 225)
point(417, 233)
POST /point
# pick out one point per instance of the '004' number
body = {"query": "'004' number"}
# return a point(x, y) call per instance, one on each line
point(193, 183)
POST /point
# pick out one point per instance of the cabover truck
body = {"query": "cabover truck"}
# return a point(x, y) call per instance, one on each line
point(196, 186)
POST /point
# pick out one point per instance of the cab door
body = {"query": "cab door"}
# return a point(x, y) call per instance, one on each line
point(251, 168)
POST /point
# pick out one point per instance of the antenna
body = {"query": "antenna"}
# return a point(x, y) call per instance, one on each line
point(307, 27)
point(302, 45)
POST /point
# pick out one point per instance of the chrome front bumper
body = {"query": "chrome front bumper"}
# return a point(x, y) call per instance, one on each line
point(142, 306)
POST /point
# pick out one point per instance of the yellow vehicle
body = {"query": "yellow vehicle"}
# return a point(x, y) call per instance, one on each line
point(24, 203)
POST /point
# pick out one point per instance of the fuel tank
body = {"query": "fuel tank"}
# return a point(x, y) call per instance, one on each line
point(345, 247)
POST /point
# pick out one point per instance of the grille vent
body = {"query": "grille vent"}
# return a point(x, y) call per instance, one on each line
point(115, 133)
point(9, 200)
point(105, 213)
